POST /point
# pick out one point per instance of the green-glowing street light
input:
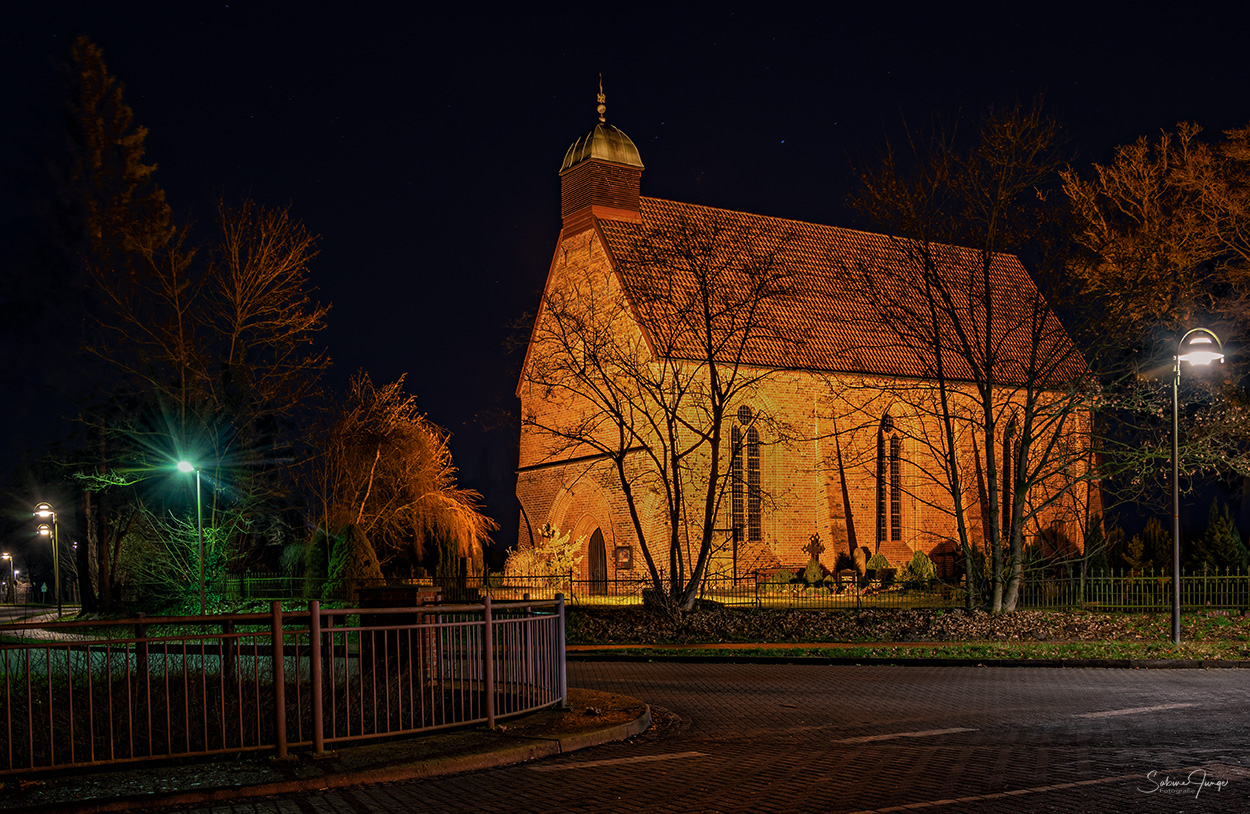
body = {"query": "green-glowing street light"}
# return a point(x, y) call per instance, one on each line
point(187, 466)
point(1198, 346)
point(45, 511)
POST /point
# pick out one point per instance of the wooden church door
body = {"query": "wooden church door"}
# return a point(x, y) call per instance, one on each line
point(598, 564)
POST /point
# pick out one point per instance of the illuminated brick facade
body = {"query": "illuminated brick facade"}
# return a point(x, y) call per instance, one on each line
point(838, 447)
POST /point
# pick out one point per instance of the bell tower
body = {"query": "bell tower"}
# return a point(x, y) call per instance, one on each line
point(600, 176)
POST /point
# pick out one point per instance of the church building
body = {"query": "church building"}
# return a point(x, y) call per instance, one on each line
point(836, 436)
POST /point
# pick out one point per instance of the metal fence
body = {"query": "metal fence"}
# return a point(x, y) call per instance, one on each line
point(85, 693)
point(1117, 590)
point(1141, 592)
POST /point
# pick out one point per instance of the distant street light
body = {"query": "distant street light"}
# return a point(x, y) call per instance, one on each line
point(45, 511)
point(187, 466)
point(1198, 346)
point(12, 576)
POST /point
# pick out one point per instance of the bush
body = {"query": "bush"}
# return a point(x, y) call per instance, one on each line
point(920, 572)
point(782, 576)
point(878, 562)
point(551, 560)
point(814, 574)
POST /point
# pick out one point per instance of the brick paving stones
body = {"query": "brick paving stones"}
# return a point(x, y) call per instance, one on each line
point(798, 738)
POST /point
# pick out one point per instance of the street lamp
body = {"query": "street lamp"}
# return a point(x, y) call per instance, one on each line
point(12, 576)
point(187, 466)
point(1198, 346)
point(45, 511)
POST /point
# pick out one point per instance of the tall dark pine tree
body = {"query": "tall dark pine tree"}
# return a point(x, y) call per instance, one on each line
point(112, 216)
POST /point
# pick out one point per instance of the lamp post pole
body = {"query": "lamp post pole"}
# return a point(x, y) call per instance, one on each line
point(1176, 505)
point(187, 466)
point(199, 530)
point(1198, 346)
point(12, 592)
point(45, 510)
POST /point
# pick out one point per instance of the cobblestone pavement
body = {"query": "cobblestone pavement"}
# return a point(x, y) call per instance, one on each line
point(787, 738)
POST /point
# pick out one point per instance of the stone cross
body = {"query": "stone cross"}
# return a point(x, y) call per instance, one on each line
point(814, 548)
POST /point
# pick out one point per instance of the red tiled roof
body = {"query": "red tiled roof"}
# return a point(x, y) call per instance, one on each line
point(829, 320)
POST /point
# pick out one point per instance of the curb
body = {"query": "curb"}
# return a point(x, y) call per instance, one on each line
point(522, 750)
point(904, 661)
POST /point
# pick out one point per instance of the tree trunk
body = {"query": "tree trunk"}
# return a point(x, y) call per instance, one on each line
point(83, 557)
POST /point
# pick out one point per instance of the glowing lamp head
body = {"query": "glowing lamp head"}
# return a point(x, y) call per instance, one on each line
point(1202, 348)
point(45, 530)
point(186, 466)
point(44, 510)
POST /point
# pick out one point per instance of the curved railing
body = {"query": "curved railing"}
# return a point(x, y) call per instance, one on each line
point(86, 693)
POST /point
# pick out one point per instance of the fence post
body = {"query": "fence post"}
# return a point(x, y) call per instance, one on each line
point(527, 639)
point(314, 677)
point(564, 681)
point(227, 652)
point(279, 682)
point(488, 656)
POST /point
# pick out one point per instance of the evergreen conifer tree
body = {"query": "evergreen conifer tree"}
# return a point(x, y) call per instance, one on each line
point(316, 564)
point(1157, 546)
point(353, 563)
point(1220, 547)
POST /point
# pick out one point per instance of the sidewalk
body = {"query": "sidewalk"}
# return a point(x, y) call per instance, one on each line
point(592, 718)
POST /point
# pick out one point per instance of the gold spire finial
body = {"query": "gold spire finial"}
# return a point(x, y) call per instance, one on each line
point(602, 108)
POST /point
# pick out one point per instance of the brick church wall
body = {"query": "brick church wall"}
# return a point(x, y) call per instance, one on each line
point(818, 436)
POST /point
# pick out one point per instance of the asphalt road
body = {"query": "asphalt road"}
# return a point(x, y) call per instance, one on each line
point(797, 738)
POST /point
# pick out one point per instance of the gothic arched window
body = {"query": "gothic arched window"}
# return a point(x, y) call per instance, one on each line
point(744, 465)
point(889, 482)
point(1007, 482)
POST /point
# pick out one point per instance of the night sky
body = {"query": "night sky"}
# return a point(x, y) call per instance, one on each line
point(424, 147)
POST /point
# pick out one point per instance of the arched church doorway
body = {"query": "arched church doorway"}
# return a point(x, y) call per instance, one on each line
point(598, 564)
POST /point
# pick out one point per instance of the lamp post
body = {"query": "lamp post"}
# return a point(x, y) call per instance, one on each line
point(187, 466)
point(45, 511)
point(1198, 346)
point(12, 576)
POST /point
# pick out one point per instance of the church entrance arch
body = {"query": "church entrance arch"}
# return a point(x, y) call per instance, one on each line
point(598, 557)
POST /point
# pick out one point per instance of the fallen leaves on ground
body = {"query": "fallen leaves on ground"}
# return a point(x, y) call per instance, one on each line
point(710, 626)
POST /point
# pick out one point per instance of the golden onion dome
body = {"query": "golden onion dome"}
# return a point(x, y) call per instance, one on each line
point(605, 142)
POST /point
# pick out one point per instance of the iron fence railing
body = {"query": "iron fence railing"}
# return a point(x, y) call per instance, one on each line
point(1118, 590)
point(83, 693)
point(1139, 591)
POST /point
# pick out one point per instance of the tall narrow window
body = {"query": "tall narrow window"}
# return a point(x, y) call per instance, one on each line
point(1007, 482)
point(746, 488)
point(896, 488)
point(889, 482)
point(754, 527)
point(735, 473)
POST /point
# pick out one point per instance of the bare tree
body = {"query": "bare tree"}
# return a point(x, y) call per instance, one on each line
point(997, 368)
point(638, 369)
